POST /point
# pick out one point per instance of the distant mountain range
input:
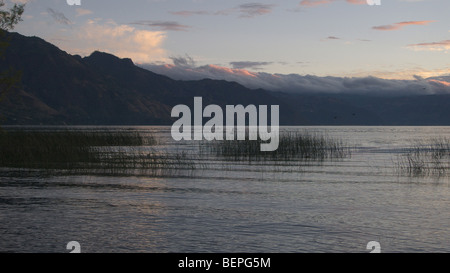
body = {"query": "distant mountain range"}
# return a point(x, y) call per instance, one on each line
point(62, 89)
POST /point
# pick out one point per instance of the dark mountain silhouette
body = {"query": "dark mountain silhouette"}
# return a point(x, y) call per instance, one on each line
point(101, 89)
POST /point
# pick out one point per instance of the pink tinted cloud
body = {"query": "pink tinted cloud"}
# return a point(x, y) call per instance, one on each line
point(444, 83)
point(307, 83)
point(314, 3)
point(357, 2)
point(233, 71)
point(400, 25)
point(433, 46)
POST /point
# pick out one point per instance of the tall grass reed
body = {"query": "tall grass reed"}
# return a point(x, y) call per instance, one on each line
point(426, 159)
point(292, 146)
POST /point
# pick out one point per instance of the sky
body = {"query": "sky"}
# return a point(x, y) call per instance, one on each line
point(397, 40)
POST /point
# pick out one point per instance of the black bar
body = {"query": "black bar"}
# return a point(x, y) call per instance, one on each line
point(226, 262)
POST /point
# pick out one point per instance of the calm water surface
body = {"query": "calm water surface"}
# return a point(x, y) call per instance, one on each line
point(330, 206)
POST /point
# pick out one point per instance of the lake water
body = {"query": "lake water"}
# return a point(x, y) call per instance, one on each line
point(226, 206)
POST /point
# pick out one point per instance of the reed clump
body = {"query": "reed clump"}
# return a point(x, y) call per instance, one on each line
point(430, 159)
point(76, 150)
point(292, 146)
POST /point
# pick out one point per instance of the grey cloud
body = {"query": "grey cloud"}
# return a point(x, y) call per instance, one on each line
point(254, 9)
point(248, 10)
point(189, 12)
point(59, 17)
point(442, 78)
point(185, 61)
point(163, 25)
point(249, 65)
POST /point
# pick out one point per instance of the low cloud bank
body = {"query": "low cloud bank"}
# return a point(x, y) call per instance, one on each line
point(296, 83)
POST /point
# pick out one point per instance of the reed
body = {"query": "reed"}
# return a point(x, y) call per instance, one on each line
point(430, 159)
point(292, 146)
point(130, 152)
point(67, 149)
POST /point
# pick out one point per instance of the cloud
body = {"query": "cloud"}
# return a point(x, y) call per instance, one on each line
point(124, 41)
point(163, 25)
point(20, 1)
point(296, 83)
point(249, 65)
point(59, 17)
point(357, 2)
point(444, 83)
point(247, 10)
point(189, 12)
point(250, 10)
point(186, 61)
point(83, 12)
point(400, 25)
point(433, 46)
point(410, 73)
point(315, 3)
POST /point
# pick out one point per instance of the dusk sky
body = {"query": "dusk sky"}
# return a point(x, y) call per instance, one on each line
point(341, 38)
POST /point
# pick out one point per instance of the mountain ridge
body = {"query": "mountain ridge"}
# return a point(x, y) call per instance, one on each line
point(101, 89)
